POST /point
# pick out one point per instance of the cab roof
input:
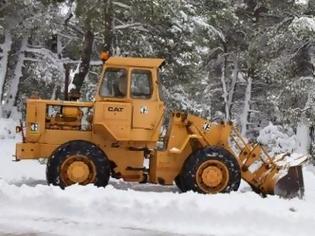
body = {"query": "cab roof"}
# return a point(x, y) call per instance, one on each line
point(135, 62)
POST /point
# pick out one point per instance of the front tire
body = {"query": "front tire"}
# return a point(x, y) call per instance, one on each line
point(78, 162)
point(210, 170)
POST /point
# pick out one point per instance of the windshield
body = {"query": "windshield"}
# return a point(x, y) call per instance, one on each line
point(141, 87)
point(114, 83)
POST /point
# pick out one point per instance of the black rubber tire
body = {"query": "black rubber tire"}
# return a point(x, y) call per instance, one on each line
point(187, 176)
point(180, 184)
point(95, 154)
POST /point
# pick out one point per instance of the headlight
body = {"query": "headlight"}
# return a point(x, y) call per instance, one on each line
point(18, 129)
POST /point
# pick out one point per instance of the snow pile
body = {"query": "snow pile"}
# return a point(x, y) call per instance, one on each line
point(111, 211)
point(30, 207)
point(7, 128)
point(276, 140)
point(301, 2)
point(18, 172)
point(288, 160)
point(303, 23)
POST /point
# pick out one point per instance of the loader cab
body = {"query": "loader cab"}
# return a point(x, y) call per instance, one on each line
point(127, 100)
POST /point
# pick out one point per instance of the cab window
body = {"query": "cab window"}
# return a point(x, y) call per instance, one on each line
point(114, 83)
point(141, 84)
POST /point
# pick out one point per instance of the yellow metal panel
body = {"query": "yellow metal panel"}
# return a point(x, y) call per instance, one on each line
point(61, 103)
point(57, 137)
point(125, 158)
point(115, 117)
point(177, 134)
point(142, 135)
point(31, 111)
point(165, 166)
point(35, 119)
point(146, 114)
point(27, 151)
point(214, 134)
point(134, 61)
point(34, 150)
point(46, 150)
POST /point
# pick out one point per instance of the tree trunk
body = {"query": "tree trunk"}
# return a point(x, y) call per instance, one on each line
point(8, 107)
point(83, 66)
point(67, 79)
point(303, 138)
point(6, 47)
point(224, 88)
point(108, 31)
point(245, 114)
point(233, 83)
point(303, 132)
point(224, 82)
point(65, 70)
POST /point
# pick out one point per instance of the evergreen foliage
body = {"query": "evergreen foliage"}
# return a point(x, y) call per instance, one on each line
point(246, 60)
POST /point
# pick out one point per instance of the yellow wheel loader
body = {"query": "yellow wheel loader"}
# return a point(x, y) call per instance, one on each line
point(89, 142)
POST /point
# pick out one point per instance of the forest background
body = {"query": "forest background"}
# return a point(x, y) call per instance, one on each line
point(249, 61)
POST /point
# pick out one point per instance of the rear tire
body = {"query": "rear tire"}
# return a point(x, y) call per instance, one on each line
point(210, 170)
point(180, 184)
point(78, 162)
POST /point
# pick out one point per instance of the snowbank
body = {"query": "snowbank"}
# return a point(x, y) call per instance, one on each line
point(112, 211)
point(277, 140)
point(303, 23)
point(301, 2)
point(18, 172)
point(29, 206)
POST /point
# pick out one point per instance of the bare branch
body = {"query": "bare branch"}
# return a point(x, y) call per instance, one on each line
point(31, 59)
point(120, 4)
point(92, 63)
point(125, 26)
point(94, 73)
point(45, 53)
point(68, 18)
point(75, 29)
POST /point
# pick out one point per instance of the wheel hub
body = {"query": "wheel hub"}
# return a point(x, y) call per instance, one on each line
point(78, 169)
point(212, 176)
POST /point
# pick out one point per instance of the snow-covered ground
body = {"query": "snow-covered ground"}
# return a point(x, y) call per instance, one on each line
point(29, 207)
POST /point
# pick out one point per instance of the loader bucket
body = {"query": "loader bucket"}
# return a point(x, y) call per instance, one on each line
point(287, 178)
point(281, 175)
point(290, 185)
